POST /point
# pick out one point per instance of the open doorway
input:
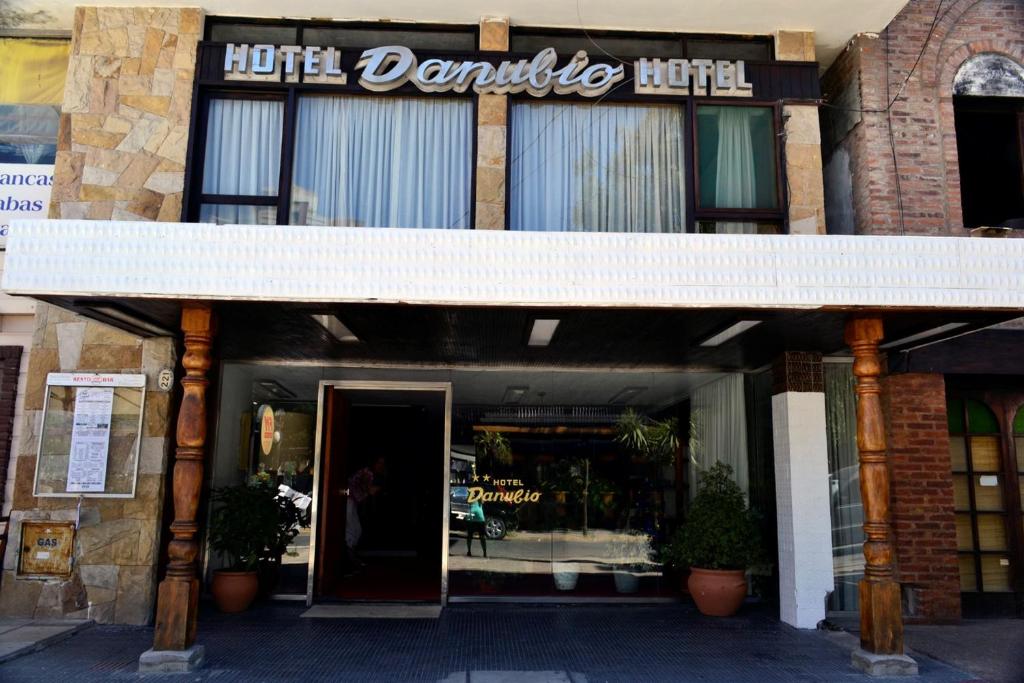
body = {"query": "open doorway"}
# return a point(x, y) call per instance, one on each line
point(381, 526)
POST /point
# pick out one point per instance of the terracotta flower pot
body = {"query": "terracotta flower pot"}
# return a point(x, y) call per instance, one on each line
point(717, 592)
point(234, 591)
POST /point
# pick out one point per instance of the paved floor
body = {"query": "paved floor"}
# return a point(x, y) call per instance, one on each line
point(992, 650)
point(478, 644)
point(20, 636)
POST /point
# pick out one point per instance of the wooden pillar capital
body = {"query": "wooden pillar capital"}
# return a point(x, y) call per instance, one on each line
point(178, 594)
point(881, 621)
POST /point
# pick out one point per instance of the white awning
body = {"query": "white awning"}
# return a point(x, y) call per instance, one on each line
point(58, 258)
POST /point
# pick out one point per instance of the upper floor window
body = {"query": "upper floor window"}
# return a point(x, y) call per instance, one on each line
point(988, 105)
point(605, 167)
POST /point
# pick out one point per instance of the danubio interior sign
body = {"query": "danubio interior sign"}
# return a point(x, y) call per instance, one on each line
point(390, 67)
point(24, 193)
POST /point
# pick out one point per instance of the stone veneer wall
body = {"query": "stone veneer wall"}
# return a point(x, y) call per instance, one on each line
point(124, 122)
point(120, 155)
point(802, 145)
point(491, 134)
point(117, 542)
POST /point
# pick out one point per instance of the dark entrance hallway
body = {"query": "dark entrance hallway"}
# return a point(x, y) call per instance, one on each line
point(382, 480)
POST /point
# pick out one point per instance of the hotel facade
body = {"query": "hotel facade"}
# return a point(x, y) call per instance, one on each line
point(306, 249)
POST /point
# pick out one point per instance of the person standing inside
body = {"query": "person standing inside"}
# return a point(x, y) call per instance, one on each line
point(475, 525)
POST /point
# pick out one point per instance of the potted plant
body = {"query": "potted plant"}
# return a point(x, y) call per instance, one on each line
point(243, 525)
point(719, 542)
point(632, 553)
point(565, 572)
point(653, 440)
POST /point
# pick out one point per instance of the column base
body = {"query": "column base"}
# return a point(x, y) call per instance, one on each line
point(881, 620)
point(883, 665)
point(172, 661)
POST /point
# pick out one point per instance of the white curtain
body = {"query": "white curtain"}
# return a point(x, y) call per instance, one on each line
point(243, 157)
point(718, 414)
point(603, 168)
point(243, 147)
point(736, 177)
point(383, 161)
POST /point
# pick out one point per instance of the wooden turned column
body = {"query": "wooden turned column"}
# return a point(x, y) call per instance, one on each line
point(178, 596)
point(881, 621)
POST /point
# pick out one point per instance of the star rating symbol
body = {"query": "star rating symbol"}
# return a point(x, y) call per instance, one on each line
point(476, 478)
point(487, 477)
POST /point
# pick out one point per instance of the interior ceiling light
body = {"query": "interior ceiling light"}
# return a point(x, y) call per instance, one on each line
point(513, 395)
point(542, 331)
point(923, 335)
point(728, 333)
point(138, 323)
point(626, 395)
point(336, 328)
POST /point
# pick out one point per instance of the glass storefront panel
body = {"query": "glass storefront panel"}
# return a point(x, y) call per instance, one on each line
point(844, 485)
point(544, 499)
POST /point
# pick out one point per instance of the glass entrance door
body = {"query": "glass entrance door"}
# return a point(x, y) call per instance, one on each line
point(380, 519)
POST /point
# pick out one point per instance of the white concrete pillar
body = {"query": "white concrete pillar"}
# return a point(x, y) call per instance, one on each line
point(802, 502)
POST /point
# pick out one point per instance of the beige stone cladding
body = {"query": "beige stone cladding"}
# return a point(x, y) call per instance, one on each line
point(492, 129)
point(804, 182)
point(120, 155)
point(117, 542)
point(124, 122)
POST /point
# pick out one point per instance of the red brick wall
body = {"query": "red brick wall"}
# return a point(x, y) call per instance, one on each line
point(922, 496)
point(922, 116)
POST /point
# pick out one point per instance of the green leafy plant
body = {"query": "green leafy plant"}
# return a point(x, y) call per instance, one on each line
point(493, 446)
point(720, 531)
point(247, 524)
point(653, 440)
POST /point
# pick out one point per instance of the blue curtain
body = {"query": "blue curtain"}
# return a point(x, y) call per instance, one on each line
point(383, 162)
point(601, 168)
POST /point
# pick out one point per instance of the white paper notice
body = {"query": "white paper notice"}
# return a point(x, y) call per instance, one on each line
point(90, 439)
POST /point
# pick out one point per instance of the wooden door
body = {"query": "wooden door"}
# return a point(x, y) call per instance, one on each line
point(331, 531)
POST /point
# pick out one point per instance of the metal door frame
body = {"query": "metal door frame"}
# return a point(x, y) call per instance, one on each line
point(382, 385)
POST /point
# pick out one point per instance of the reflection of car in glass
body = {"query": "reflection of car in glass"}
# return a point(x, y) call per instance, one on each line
point(499, 518)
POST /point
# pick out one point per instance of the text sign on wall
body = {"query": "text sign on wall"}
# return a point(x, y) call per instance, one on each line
point(381, 69)
point(24, 193)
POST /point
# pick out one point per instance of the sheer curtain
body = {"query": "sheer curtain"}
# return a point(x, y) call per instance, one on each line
point(243, 157)
point(602, 168)
point(736, 168)
point(383, 161)
point(844, 485)
point(736, 179)
point(718, 413)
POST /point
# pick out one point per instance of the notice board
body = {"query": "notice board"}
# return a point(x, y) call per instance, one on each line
point(91, 434)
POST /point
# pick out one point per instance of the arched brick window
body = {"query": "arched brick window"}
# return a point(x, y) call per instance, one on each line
point(988, 102)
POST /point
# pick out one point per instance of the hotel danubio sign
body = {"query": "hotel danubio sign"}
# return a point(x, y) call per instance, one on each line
point(381, 69)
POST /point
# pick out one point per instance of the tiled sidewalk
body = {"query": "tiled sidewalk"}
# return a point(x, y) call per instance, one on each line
point(492, 643)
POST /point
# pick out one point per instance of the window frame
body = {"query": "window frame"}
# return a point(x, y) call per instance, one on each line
point(289, 93)
point(205, 90)
point(1004, 399)
point(777, 214)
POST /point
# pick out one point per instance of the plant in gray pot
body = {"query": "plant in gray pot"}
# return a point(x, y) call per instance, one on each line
point(719, 541)
point(631, 551)
point(244, 524)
